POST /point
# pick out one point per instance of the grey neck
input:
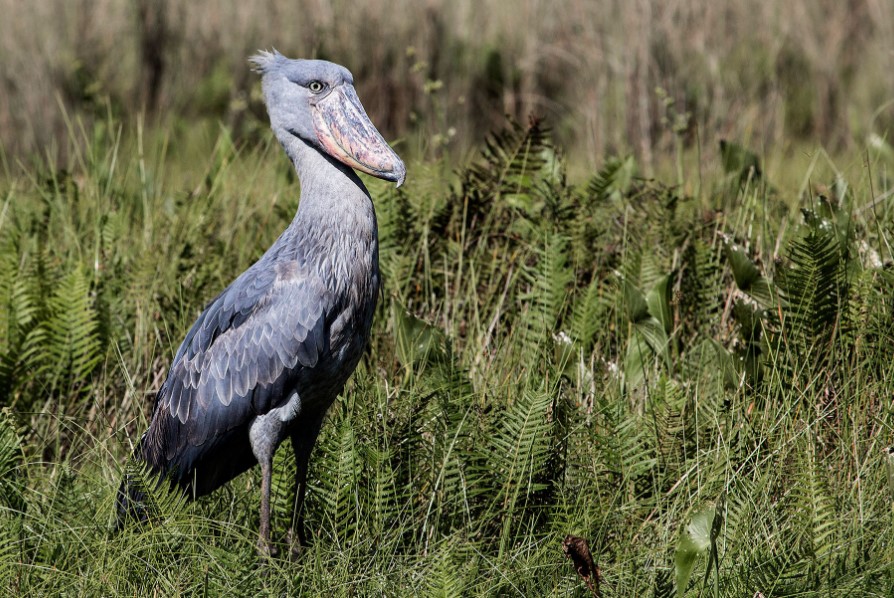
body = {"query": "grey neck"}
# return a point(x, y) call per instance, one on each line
point(335, 222)
point(321, 176)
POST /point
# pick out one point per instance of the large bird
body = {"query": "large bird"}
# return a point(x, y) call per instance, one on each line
point(269, 355)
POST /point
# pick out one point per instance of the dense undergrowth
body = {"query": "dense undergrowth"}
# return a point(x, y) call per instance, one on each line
point(699, 386)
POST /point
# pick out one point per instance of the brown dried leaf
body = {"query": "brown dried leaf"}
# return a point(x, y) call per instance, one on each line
point(578, 551)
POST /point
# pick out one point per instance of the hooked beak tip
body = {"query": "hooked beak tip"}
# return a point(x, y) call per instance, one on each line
point(346, 133)
point(400, 176)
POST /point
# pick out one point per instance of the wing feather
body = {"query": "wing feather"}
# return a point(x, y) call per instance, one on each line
point(240, 359)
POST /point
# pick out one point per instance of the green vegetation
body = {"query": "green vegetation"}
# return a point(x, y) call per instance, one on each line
point(697, 382)
point(442, 73)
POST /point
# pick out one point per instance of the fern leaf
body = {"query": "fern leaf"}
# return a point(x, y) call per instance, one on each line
point(613, 180)
point(586, 315)
point(336, 484)
point(521, 448)
point(546, 299)
point(814, 289)
point(72, 331)
point(383, 501)
point(510, 159)
point(11, 461)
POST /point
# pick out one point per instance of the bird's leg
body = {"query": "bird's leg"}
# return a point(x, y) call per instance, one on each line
point(263, 435)
point(303, 440)
point(264, 547)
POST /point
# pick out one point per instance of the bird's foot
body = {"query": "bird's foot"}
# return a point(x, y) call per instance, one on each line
point(296, 542)
point(266, 550)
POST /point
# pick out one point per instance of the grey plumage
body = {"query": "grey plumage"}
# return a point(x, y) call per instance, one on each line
point(268, 356)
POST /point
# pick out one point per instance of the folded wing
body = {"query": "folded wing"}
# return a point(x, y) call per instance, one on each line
point(243, 357)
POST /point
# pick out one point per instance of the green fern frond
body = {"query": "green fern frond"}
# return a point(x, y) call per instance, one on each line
point(337, 473)
point(72, 331)
point(11, 461)
point(871, 298)
point(613, 180)
point(383, 499)
point(815, 520)
point(510, 160)
point(394, 215)
point(781, 573)
point(587, 315)
point(667, 408)
point(546, 299)
point(19, 312)
point(700, 297)
point(814, 289)
point(450, 481)
point(161, 500)
point(518, 454)
point(591, 228)
point(453, 571)
point(282, 487)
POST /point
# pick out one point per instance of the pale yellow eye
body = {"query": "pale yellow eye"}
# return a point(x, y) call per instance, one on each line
point(315, 86)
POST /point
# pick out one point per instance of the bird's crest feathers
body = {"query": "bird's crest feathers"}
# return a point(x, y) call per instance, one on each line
point(264, 61)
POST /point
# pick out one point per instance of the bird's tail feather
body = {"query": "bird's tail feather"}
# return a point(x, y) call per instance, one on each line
point(132, 503)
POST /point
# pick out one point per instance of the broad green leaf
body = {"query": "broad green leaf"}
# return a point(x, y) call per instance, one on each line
point(748, 278)
point(416, 340)
point(659, 302)
point(744, 269)
point(726, 365)
point(647, 341)
point(635, 305)
point(749, 319)
point(694, 541)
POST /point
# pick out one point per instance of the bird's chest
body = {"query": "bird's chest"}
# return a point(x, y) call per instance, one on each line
point(350, 325)
point(347, 326)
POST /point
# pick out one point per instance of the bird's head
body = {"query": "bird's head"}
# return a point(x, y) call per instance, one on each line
point(315, 101)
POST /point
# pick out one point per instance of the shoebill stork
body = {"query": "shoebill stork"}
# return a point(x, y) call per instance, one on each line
point(269, 355)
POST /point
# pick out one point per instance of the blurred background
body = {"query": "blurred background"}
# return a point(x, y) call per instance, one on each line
point(609, 77)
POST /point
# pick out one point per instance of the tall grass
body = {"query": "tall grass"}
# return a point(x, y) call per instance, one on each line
point(611, 77)
point(699, 385)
